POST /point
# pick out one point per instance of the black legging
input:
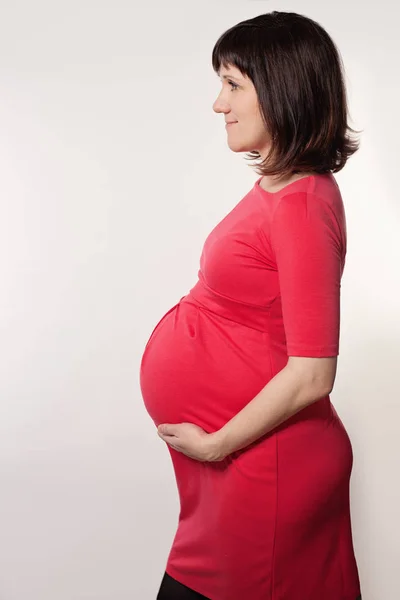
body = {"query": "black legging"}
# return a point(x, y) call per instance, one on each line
point(171, 589)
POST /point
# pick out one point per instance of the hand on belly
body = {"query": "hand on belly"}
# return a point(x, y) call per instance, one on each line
point(191, 440)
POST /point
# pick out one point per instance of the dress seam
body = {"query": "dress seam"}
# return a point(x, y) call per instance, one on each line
point(275, 524)
point(272, 369)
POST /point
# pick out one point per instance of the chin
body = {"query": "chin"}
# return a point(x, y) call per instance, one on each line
point(238, 147)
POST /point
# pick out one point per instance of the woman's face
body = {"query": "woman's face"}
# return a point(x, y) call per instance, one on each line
point(238, 102)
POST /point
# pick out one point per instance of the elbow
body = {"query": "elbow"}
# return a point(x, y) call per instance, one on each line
point(314, 391)
point(328, 391)
point(323, 387)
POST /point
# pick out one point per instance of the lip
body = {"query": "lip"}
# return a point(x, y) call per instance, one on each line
point(230, 123)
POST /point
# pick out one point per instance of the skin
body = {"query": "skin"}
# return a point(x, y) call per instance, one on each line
point(303, 380)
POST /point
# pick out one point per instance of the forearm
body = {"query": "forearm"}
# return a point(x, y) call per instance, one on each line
point(284, 395)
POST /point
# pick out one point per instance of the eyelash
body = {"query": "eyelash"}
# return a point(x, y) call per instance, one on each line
point(235, 86)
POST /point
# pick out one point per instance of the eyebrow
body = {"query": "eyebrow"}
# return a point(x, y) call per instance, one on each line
point(230, 77)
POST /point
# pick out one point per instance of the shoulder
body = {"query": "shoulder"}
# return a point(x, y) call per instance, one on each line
point(317, 200)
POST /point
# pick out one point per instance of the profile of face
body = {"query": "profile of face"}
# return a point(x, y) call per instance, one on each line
point(238, 102)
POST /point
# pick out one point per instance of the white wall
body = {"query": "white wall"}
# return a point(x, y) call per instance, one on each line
point(114, 168)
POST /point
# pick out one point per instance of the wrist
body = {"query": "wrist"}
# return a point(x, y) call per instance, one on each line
point(219, 447)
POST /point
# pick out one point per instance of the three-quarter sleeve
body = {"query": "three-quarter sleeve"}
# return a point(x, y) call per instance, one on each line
point(307, 242)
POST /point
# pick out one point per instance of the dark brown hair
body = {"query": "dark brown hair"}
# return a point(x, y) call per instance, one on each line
point(298, 75)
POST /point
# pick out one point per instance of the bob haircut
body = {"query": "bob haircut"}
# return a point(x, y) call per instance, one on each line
point(298, 75)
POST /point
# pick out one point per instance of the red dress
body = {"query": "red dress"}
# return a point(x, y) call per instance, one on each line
point(271, 521)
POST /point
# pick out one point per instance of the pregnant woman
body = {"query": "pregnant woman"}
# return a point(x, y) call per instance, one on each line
point(237, 375)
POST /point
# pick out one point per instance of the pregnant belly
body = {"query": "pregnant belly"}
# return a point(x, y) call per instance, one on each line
point(202, 368)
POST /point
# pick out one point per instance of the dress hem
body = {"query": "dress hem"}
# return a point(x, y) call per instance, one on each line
point(181, 579)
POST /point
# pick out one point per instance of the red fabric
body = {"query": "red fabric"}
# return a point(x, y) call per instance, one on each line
point(271, 521)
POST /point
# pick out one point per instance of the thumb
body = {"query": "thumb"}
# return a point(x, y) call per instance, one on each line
point(165, 429)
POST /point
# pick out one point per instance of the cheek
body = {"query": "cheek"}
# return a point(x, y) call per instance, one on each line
point(256, 129)
point(261, 129)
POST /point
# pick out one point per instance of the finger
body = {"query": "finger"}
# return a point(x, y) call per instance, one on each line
point(167, 438)
point(166, 429)
point(175, 447)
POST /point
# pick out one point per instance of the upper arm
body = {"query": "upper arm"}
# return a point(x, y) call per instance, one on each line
point(307, 243)
point(318, 373)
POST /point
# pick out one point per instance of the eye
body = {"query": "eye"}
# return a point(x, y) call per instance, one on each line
point(235, 86)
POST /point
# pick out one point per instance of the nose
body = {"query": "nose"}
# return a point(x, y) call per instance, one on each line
point(220, 105)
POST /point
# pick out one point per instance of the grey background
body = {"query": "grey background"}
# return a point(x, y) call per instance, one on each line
point(114, 169)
